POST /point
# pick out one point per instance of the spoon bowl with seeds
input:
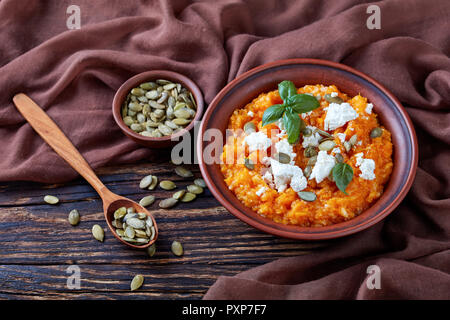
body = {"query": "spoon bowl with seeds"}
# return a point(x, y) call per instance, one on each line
point(112, 202)
point(156, 108)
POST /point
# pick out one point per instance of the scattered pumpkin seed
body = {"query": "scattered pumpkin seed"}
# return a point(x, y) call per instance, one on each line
point(327, 145)
point(312, 161)
point(154, 183)
point(136, 223)
point(307, 171)
point(137, 282)
point(249, 164)
point(74, 217)
point(146, 201)
point(307, 132)
point(179, 194)
point(307, 196)
point(151, 250)
point(200, 183)
point(177, 248)
point(323, 133)
point(188, 197)
point(51, 199)
point(168, 203)
point(310, 152)
point(249, 127)
point(98, 232)
point(331, 99)
point(129, 232)
point(193, 188)
point(347, 146)
point(353, 140)
point(282, 157)
point(183, 172)
point(167, 185)
point(119, 213)
point(376, 132)
point(339, 158)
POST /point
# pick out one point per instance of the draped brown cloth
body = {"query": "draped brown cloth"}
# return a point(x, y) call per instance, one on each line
point(73, 75)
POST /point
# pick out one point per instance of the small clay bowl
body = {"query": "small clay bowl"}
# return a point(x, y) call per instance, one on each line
point(265, 78)
point(135, 81)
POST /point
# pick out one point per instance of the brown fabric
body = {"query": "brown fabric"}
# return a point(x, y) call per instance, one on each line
point(73, 76)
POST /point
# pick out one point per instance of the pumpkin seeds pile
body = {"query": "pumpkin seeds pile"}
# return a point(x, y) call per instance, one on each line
point(160, 108)
point(133, 227)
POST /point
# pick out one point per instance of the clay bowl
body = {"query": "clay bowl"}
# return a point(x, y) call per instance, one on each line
point(265, 78)
point(123, 91)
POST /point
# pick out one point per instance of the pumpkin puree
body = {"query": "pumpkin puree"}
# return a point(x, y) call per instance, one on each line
point(332, 205)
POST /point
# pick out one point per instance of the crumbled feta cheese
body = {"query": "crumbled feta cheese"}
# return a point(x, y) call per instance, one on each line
point(268, 177)
point(369, 108)
point(265, 161)
point(305, 114)
point(286, 174)
point(334, 94)
point(336, 150)
point(261, 191)
point(323, 166)
point(312, 140)
point(367, 167)
point(351, 129)
point(280, 125)
point(257, 141)
point(250, 114)
point(359, 142)
point(285, 147)
point(338, 115)
point(341, 136)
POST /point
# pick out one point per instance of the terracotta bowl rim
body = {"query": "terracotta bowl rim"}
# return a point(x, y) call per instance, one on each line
point(153, 75)
point(303, 233)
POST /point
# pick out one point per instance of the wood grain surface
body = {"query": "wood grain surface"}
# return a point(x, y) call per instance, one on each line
point(38, 244)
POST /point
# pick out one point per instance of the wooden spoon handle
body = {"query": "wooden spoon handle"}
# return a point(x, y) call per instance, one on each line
point(53, 135)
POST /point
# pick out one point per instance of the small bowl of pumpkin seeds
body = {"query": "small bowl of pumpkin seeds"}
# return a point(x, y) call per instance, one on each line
point(156, 108)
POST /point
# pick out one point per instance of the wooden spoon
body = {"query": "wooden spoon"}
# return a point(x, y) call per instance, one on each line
point(51, 133)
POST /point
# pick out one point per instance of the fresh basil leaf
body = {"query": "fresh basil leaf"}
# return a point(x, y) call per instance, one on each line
point(292, 123)
point(301, 103)
point(272, 114)
point(286, 89)
point(342, 174)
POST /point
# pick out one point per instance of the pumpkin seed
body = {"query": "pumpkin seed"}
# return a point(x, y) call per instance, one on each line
point(307, 196)
point(183, 172)
point(331, 99)
point(307, 171)
point(249, 164)
point(195, 189)
point(137, 282)
point(347, 146)
point(165, 130)
point(188, 197)
point(120, 232)
point(129, 232)
point(74, 217)
point(179, 194)
point(136, 223)
point(148, 85)
point(307, 132)
point(128, 120)
point(152, 95)
point(131, 210)
point(327, 145)
point(168, 203)
point(312, 161)
point(145, 182)
point(119, 213)
point(169, 86)
point(137, 92)
point(140, 233)
point(129, 216)
point(51, 199)
point(353, 140)
point(98, 232)
point(154, 183)
point(200, 183)
point(136, 127)
point(117, 223)
point(177, 248)
point(151, 250)
point(339, 158)
point(323, 133)
point(179, 105)
point(163, 97)
point(153, 232)
point(249, 127)
point(146, 201)
point(376, 132)
point(310, 152)
point(182, 113)
point(181, 121)
point(167, 185)
point(282, 157)
point(162, 82)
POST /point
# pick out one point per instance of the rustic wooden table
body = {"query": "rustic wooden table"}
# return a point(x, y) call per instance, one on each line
point(38, 244)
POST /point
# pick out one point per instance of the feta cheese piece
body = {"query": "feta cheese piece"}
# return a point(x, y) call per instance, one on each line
point(338, 115)
point(312, 140)
point(287, 174)
point(285, 147)
point(369, 108)
point(336, 150)
point(261, 191)
point(323, 166)
point(305, 114)
point(268, 177)
point(334, 94)
point(341, 136)
point(367, 167)
point(250, 114)
point(257, 141)
point(265, 161)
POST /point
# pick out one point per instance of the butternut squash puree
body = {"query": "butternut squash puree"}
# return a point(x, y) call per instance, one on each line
point(331, 206)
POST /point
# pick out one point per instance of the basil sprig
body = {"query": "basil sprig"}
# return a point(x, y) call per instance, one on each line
point(342, 175)
point(293, 104)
